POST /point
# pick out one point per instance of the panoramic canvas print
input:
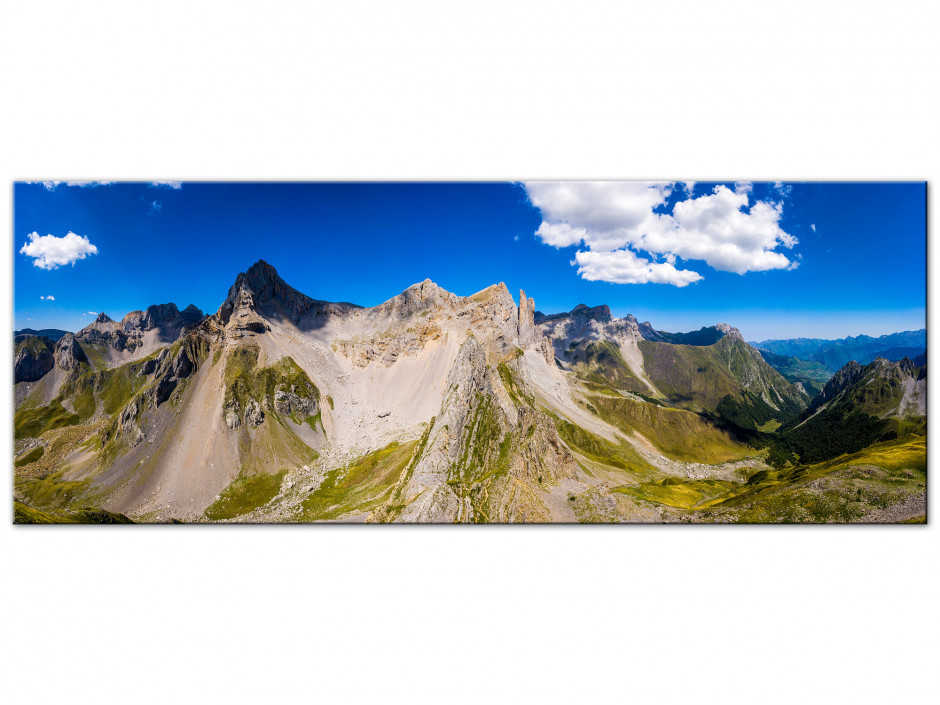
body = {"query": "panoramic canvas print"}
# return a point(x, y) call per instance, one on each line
point(528, 352)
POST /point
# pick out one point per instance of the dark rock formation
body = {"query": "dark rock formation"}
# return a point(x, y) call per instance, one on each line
point(34, 358)
point(68, 353)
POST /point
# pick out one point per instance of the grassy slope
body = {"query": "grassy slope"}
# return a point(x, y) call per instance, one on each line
point(712, 378)
point(852, 421)
point(843, 489)
point(36, 346)
point(87, 390)
point(677, 433)
point(602, 363)
point(23, 514)
point(245, 494)
point(364, 486)
point(97, 397)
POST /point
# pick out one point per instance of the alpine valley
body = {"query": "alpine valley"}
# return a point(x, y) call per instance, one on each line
point(433, 407)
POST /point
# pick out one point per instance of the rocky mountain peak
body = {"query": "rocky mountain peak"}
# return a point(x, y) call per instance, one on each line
point(527, 331)
point(841, 380)
point(261, 285)
point(729, 330)
point(104, 318)
point(162, 316)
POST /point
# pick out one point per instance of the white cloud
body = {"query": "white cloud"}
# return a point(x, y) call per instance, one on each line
point(155, 208)
point(813, 226)
point(47, 298)
point(624, 267)
point(782, 189)
point(51, 252)
point(51, 185)
point(169, 184)
point(615, 221)
point(605, 215)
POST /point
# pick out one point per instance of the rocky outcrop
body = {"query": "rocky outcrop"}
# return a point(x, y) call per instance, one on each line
point(231, 414)
point(177, 363)
point(252, 417)
point(68, 353)
point(239, 313)
point(528, 333)
point(253, 414)
point(127, 423)
point(128, 335)
point(262, 288)
point(34, 358)
point(841, 380)
point(729, 331)
point(166, 317)
point(388, 347)
point(288, 403)
point(423, 298)
point(104, 330)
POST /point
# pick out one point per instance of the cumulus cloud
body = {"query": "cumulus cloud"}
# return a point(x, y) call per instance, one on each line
point(47, 298)
point(52, 185)
point(51, 252)
point(605, 215)
point(624, 267)
point(168, 184)
point(614, 222)
point(782, 189)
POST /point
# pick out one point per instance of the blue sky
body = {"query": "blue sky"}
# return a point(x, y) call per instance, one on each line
point(842, 259)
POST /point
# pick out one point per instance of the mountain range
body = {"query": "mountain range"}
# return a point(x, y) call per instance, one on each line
point(833, 354)
point(433, 407)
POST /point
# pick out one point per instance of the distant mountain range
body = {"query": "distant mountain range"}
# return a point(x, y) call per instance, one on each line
point(833, 354)
point(52, 333)
point(433, 407)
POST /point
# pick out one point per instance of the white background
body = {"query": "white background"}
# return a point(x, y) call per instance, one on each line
point(494, 90)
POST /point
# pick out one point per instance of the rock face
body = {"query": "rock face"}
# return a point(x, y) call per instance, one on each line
point(68, 353)
point(484, 457)
point(34, 358)
point(162, 316)
point(262, 288)
point(253, 414)
point(528, 333)
point(288, 402)
point(128, 336)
